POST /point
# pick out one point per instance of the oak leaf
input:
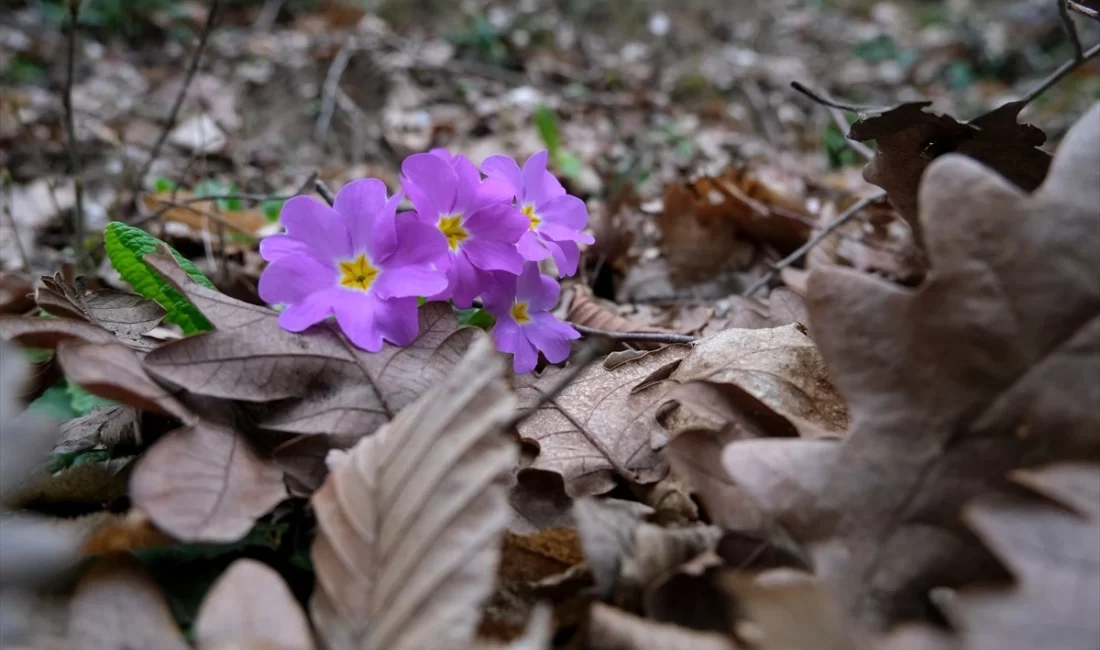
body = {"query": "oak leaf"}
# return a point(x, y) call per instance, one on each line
point(990, 365)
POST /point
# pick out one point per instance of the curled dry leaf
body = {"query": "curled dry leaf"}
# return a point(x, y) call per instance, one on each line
point(604, 423)
point(991, 366)
point(106, 426)
point(203, 482)
point(613, 629)
point(409, 521)
point(126, 315)
point(16, 293)
point(1053, 550)
point(908, 138)
point(117, 605)
point(34, 332)
point(251, 607)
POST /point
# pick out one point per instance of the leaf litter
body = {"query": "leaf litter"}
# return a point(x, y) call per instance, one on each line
point(871, 430)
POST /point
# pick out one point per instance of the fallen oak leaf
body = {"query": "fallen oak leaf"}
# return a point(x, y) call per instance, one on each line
point(408, 521)
point(989, 367)
point(250, 607)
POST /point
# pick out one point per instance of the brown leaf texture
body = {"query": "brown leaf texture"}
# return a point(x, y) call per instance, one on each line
point(409, 522)
point(991, 366)
point(117, 606)
point(204, 483)
point(250, 605)
point(586, 310)
point(614, 629)
point(604, 423)
point(126, 315)
point(1053, 550)
point(34, 332)
point(25, 438)
point(321, 383)
point(107, 426)
point(908, 138)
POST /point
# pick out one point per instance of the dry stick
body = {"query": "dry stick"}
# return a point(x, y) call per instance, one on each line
point(191, 69)
point(1071, 30)
point(329, 91)
point(14, 228)
point(825, 101)
point(325, 191)
point(651, 337)
point(74, 158)
point(863, 150)
point(1059, 74)
point(1083, 10)
point(817, 239)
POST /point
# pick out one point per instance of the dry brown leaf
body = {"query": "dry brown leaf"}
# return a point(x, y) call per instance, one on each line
point(538, 501)
point(250, 605)
point(106, 426)
point(1055, 557)
point(16, 293)
point(178, 207)
point(698, 240)
point(126, 315)
point(90, 484)
point(34, 332)
point(614, 629)
point(25, 438)
point(117, 606)
point(408, 522)
point(132, 532)
point(607, 530)
point(908, 138)
point(586, 310)
point(615, 405)
point(781, 307)
point(204, 483)
point(990, 365)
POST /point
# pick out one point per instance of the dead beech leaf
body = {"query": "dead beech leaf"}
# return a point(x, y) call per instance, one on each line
point(991, 366)
point(1054, 555)
point(618, 433)
point(204, 483)
point(34, 332)
point(250, 605)
point(117, 605)
point(780, 367)
point(409, 521)
point(322, 384)
point(908, 138)
point(126, 315)
point(613, 629)
point(114, 371)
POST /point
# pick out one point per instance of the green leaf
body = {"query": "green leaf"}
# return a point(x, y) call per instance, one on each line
point(54, 403)
point(271, 209)
point(126, 247)
point(547, 124)
point(569, 165)
point(82, 401)
point(69, 460)
point(475, 317)
point(163, 184)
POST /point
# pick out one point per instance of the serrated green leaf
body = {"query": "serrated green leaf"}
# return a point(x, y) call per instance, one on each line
point(126, 247)
point(82, 401)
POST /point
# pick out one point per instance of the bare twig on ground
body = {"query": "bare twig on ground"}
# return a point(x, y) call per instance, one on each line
point(648, 337)
point(74, 158)
point(1071, 30)
point(178, 104)
point(841, 219)
point(593, 349)
point(329, 92)
point(268, 15)
point(861, 149)
point(832, 103)
point(5, 201)
point(325, 191)
point(1083, 10)
point(1059, 74)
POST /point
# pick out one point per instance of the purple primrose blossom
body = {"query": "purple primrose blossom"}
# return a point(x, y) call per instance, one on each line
point(554, 219)
point(525, 325)
point(358, 260)
point(472, 219)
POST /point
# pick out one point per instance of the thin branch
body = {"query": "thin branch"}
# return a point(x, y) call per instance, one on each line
point(5, 200)
point(843, 218)
point(861, 149)
point(1064, 70)
point(650, 337)
point(74, 158)
point(189, 75)
point(1071, 30)
point(329, 91)
point(591, 351)
point(325, 191)
point(825, 101)
point(1083, 10)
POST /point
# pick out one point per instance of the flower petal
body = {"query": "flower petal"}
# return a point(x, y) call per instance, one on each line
point(468, 283)
point(431, 183)
point(492, 191)
point(315, 308)
point(281, 244)
point(530, 247)
point(369, 216)
point(565, 210)
point(567, 256)
point(469, 179)
point(500, 222)
point(318, 225)
point(539, 291)
point(293, 277)
point(511, 338)
point(505, 169)
point(357, 314)
point(499, 294)
point(526, 356)
point(418, 242)
point(551, 336)
point(399, 321)
point(539, 185)
point(409, 282)
point(490, 255)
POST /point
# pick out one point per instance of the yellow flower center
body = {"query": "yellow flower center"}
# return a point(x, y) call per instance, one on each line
point(529, 211)
point(519, 313)
point(451, 226)
point(357, 273)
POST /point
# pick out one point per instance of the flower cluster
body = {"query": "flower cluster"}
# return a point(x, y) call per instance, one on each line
point(473, 234)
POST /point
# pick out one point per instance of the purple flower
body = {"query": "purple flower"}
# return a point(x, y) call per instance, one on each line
point(472, 219)
point(555, 219)
point(525, 326)
point(357, 260)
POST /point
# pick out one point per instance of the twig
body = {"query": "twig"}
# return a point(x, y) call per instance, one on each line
point(329, 91)
point(1059, 74)
point(650, 337)
point(861, 149)
point(1071, 30)
point(5, 200)
point(325, 191)
point(1083, 10)
point(268, 15)
point(188, 76)
point(832, 103)
point(843, 218)
point(592, 350)
point(74, 159)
